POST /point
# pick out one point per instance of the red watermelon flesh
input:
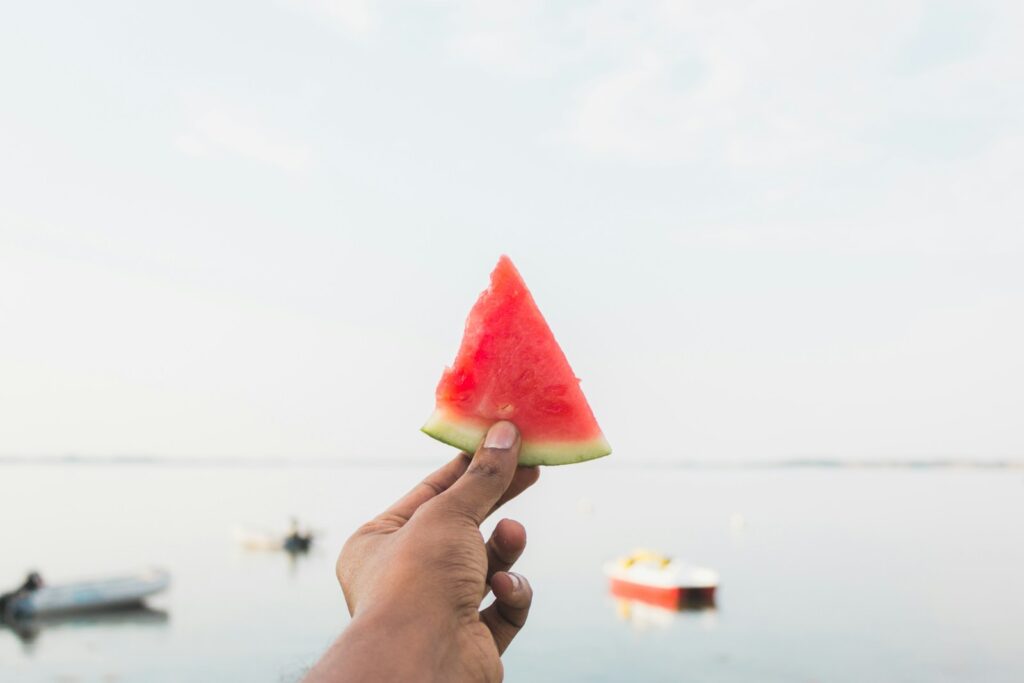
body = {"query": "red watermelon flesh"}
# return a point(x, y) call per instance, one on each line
point(510, 367)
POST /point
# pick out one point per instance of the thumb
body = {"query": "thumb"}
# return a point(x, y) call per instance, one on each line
point(489, 474)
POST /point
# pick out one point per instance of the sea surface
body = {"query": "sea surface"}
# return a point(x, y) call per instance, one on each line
point(828, 574)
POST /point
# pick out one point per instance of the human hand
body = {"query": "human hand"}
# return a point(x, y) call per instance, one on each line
point(415, 575)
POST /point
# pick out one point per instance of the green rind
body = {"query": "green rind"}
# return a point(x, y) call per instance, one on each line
point(468, 434)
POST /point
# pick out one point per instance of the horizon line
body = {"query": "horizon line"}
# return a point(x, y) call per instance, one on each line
point(697, 463)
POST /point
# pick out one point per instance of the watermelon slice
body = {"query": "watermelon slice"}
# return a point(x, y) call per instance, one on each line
point(510, 367)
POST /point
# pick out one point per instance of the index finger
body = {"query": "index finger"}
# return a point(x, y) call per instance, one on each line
point(489, 474)
point(435, 484)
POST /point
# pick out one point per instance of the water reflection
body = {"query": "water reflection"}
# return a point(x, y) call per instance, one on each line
point(29, 629)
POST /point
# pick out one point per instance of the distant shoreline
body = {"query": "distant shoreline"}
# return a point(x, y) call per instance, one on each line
point(244, 462)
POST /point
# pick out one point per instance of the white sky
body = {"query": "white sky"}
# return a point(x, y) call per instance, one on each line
point(759, 229)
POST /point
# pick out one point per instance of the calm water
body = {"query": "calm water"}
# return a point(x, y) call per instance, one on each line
point(827, 575)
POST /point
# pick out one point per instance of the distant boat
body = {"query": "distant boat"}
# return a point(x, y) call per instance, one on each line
point(83, 596)
point(657, 579)
point(295, 541)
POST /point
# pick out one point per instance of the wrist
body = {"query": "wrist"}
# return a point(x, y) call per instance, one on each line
point(426, 634)
point(391, 642)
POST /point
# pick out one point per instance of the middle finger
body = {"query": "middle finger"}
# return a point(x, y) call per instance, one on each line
point(506, 544)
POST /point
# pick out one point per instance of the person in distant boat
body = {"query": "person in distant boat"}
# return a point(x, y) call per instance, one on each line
point(34, 581)
point(9, 601)
point(297, 541)
point(414, 577)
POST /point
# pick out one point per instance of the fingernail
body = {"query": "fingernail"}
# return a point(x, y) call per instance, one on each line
point(501, 435)
point(517, 582)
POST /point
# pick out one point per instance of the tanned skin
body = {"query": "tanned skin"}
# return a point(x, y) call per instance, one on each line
point(414, 577)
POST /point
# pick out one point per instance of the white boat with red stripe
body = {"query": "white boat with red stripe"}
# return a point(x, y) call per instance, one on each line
point(661, 580)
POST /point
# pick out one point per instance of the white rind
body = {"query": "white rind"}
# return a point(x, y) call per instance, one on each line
point(467, 434)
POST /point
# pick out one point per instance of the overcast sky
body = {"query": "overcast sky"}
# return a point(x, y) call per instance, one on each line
point(758, 229)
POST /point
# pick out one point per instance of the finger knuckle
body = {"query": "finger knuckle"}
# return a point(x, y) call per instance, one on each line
point(487, 468)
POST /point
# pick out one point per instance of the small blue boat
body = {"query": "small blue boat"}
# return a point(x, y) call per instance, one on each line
point(37, 598)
